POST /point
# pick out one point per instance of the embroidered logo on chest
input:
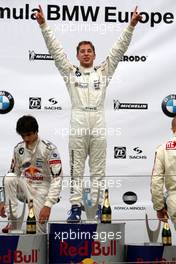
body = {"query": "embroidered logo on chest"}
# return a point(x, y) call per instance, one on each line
point(171, 145)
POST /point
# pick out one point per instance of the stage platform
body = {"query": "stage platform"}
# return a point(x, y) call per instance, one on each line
point(87, 243)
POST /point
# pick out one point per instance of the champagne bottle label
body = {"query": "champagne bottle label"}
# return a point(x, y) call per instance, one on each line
point(106, 218)
point(167, 241)
point(31, 214)
point(31, 228)
point(31, 220)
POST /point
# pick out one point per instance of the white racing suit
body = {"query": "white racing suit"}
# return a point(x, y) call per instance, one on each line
point(164, 177)
point(87, 90)
point(36, 175)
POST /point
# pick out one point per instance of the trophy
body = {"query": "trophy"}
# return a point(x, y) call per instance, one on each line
point(152, 234)
point(90, 208)
point(17, 221)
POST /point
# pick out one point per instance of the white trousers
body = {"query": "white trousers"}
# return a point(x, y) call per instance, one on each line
point(171, 206)
point(80, 148)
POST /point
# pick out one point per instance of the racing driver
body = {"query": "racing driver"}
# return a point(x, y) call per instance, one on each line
point(35, 173)
point(164, 178)
point(86, 86)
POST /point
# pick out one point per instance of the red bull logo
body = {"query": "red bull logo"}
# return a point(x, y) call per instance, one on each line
point(88, 261)
point(97, 249)
point(33, 173)
point(18, 256)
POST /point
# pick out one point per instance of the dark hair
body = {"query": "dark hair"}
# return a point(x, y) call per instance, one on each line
point(85, 42)
point(26, 124)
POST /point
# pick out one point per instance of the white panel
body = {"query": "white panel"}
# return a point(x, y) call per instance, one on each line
point(148, 82)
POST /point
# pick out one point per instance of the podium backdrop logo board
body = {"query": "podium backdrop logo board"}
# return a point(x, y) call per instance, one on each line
point(74, 243)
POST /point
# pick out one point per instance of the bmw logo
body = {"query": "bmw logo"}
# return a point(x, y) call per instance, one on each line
point(21, 151)
point(129, 198)
point(6, 102)
point(77, 72)
point(169, 105)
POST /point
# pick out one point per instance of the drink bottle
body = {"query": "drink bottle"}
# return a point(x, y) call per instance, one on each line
point(31, 220)
point(106, 210)
point(166, 235)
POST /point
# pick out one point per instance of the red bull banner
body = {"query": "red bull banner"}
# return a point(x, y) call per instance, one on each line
point(23, 249)
point(147, 254)
point(86, 243)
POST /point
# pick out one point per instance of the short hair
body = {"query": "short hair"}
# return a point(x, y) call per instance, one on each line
point(26, 124)
point(85, 42)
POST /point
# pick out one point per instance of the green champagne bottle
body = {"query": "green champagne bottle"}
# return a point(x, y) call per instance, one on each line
point(166, 235)
point(106, 210)
point(31, 220)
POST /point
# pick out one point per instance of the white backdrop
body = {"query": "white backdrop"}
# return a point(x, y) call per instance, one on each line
point(146, 76)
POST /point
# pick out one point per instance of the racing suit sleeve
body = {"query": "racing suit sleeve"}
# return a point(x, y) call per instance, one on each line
point(56, 175)
point(56, 50)
point(117, 51)
point(157, 180)
point(14, 167)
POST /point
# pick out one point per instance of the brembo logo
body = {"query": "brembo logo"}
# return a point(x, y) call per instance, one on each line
point(18, 256)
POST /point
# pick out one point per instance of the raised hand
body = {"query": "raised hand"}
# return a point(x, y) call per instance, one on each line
point(40, 16)
point(135, 17)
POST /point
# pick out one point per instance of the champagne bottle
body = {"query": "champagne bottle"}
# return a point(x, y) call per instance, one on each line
point(31, 220)
point(106, 210)
point(166, 235)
